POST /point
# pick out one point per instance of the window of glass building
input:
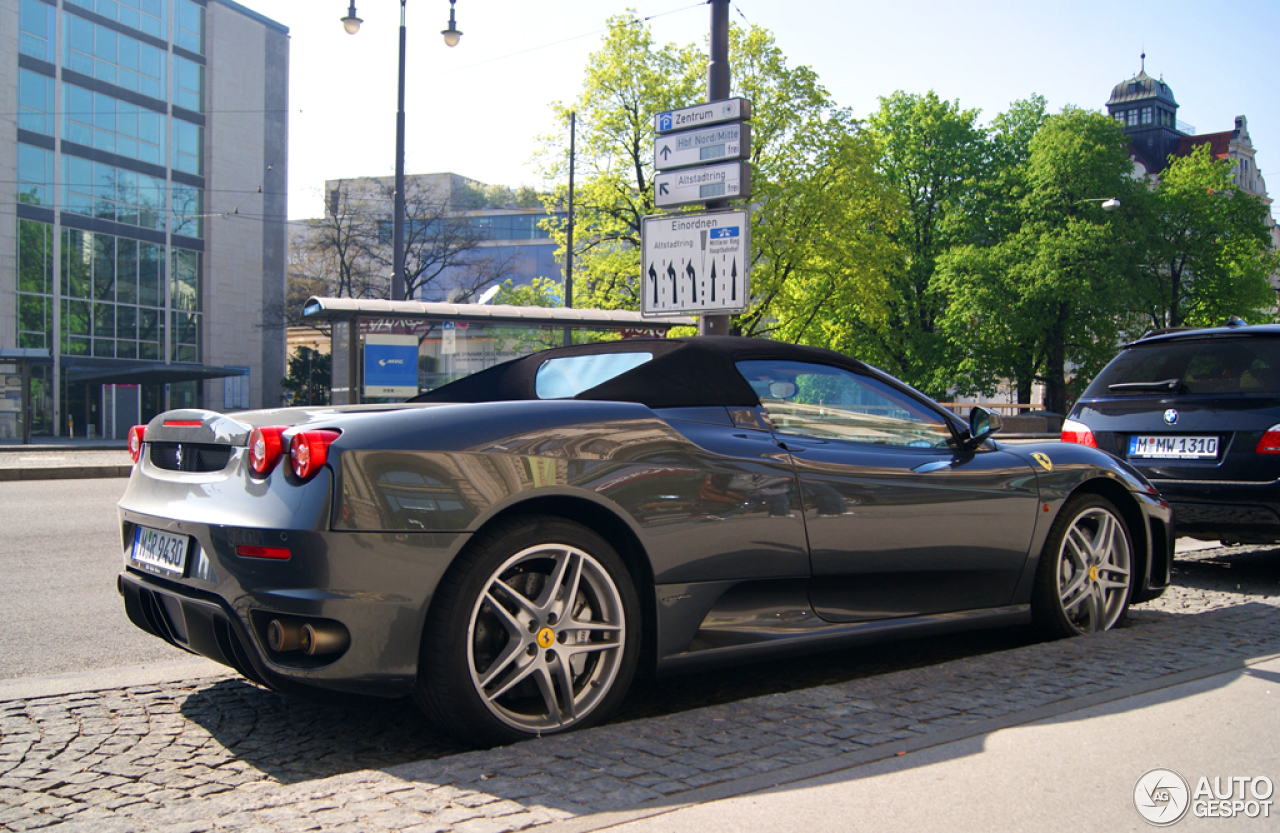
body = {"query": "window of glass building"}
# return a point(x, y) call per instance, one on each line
point(35, 102)
point(35, 30)
point(188, 30)
point(188, 84)
point(35, 175)
point(110, 193)
point(188, 211)
point(113, 305)
point(188, 147)
point(186, 318)
point(113, 57)
point(144, 15)
point(35, 284)
point(106, 123)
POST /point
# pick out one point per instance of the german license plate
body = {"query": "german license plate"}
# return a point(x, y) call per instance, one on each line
point(159, 552)
point(1170, 447)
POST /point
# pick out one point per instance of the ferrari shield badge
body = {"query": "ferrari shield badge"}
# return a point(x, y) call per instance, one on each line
point(1043, 459)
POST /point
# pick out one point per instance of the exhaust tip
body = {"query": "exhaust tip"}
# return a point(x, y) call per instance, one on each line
point(283, 636)
point(321, 638)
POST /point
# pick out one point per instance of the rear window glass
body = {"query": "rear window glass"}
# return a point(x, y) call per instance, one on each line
point(569, 376)
point(1224, 365)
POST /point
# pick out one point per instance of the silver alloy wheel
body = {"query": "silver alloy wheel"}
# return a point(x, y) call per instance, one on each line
point(545, 638)
point(1093, 570)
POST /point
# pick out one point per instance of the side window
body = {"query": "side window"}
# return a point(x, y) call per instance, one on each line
point(569, 376)
point(832, 403)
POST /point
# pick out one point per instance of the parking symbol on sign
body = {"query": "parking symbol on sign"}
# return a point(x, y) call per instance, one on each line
point(664, 121)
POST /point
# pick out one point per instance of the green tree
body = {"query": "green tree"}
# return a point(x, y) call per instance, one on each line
point(540, 292)
point(309, 375)
point(1052, 293)
point(1210, 253)
point(627, 82)
point(932, 152)
point(821, 217)
point(816, 196)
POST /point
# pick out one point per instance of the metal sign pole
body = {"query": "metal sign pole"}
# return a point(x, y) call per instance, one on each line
point(717, 90)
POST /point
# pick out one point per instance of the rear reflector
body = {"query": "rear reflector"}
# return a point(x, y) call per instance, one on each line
point(183, 423)
point(137, 436)
point(1270, 442)
point(1077, 432)
point(278, 553)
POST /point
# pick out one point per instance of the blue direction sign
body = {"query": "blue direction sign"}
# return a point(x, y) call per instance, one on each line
point(703, 115)
point(698, 147)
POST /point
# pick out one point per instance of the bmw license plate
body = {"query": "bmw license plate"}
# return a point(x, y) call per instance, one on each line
point(159, 552)
point(1171, 447)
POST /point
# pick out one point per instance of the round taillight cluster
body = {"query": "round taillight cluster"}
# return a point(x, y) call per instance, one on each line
point(309, 450)
point(265, 449)
point(137, 436)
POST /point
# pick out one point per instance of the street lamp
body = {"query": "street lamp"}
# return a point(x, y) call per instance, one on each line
point(451, 36)
point(1108, 203)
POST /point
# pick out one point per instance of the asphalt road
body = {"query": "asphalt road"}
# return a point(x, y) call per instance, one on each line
point(59, 555)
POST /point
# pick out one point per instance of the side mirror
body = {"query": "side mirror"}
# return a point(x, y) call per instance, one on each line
point(982, 424)
point(783, 390)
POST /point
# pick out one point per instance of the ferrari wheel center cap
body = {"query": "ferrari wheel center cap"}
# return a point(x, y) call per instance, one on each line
point(1093, 573)
point(546, 638)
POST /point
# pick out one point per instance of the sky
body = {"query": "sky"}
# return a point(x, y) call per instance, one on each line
point(478, 109)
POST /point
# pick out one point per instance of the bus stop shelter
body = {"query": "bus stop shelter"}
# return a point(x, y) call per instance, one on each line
point(391, 350)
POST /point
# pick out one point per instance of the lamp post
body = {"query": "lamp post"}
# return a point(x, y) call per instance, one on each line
point(1108, 203)
point(451, 36)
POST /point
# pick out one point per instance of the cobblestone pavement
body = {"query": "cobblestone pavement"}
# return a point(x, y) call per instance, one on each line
point(220, 754)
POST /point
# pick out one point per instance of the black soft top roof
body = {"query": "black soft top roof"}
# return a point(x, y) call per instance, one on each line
point(684, 372)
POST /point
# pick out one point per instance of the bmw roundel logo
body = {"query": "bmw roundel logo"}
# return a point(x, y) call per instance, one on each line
point(1170, 416)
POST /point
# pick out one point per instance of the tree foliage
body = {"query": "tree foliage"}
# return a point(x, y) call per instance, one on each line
point(1052, 292)
point(309, 375)
point(1209, 253)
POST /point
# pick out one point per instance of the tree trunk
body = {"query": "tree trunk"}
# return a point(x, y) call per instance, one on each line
point(1055, 372)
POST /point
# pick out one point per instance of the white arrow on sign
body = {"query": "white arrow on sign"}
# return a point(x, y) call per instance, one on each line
point(730, 181)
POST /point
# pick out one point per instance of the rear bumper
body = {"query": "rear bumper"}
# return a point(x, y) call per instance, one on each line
point(338, 580)
point(1238, 512)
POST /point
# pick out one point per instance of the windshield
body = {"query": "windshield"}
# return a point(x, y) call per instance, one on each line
point(1221, 365)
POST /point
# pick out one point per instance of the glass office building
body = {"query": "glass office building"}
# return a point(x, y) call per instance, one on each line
point(145, 246)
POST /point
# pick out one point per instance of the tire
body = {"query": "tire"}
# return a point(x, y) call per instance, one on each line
point(1085, 575)
point(534, 631)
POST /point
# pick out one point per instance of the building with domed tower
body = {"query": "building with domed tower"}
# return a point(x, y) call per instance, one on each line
point(1148, 112)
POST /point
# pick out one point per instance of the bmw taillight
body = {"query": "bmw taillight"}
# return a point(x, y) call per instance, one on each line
point(137, 436)
point(1270, 442)
point(308, 451)
point(1077, 432)
point(265, 449)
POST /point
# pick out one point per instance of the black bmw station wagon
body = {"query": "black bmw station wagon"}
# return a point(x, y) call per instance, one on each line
point(1198, 413)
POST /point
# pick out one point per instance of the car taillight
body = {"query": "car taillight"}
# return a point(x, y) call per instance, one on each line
point(1270, 442)
point(137, 436)
point(265, 449)
point(309, 450)
point(1077, 432)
